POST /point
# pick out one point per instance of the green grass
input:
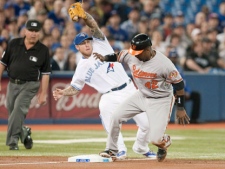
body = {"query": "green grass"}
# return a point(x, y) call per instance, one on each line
point(195, 144)
point(198, 144)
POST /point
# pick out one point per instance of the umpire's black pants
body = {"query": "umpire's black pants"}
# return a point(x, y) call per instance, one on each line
point(18, 99)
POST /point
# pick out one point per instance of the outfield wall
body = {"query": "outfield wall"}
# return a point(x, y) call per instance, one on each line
point(212, 89)
point(83, 108)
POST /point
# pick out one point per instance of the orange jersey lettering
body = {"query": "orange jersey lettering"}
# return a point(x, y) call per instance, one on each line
point(138, 73)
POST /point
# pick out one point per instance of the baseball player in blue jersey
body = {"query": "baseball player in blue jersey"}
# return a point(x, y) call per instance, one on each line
point(154, 75)
point(111, 80)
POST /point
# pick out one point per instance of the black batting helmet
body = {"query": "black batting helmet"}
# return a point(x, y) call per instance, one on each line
point(139, 43)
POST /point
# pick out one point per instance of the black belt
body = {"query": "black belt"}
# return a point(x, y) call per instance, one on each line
point(120, 87)
point(17, 81)
point(157, 97)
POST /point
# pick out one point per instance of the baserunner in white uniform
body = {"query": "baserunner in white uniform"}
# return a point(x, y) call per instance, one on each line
point(154, 75)
point(111, 80)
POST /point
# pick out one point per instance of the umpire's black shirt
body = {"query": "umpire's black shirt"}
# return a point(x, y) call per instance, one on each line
point(25, 64)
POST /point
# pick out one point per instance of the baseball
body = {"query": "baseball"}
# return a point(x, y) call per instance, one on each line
point(75, 18)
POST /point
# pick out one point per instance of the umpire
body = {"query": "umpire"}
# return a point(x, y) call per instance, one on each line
point(27, 61)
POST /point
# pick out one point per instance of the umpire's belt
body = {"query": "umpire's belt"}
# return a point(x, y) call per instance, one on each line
point(17, 81)
point(120, 87)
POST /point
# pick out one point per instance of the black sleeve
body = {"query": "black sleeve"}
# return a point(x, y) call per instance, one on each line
point(178, 86)
point(7, 53)
point(111, 57)
point(46, 67)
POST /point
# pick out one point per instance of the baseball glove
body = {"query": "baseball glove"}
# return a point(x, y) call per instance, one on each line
point(76, 11)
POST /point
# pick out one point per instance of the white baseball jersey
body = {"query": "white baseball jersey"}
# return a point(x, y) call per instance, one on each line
point(103, 76)
point(153, 77)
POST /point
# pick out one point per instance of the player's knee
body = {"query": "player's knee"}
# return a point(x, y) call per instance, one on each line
point(116, 116)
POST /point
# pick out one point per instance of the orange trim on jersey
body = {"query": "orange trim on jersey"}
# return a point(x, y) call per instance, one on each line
point(118, 57)
point(171, 109)
point(141, 77)
point(120, 54)
point(176, 81)
point(135, 52)
point(171, 104)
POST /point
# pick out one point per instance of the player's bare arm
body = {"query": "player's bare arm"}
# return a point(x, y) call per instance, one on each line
point(2, 68)
point(92, 24)
point(76, 11)
point(98, 56)
point(69, 91)
point(181, 114)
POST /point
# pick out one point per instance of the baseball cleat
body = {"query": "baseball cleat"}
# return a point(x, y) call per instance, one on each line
point(28, 142)
point(14, 147)
point(161, 154)
point(109, 154)
point(122, 155)
point(150, 154)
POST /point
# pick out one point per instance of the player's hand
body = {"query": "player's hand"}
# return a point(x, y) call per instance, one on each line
point(42, 99)
point(57, 93)
point(182, 117)
point(98, 56)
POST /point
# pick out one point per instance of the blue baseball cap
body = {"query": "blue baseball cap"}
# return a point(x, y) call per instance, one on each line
point(81, 37)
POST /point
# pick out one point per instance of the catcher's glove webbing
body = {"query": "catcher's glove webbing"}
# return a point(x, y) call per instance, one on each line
point(76, 11)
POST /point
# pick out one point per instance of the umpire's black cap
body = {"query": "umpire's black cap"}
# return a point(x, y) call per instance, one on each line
point(33, 25)
point(139, 43)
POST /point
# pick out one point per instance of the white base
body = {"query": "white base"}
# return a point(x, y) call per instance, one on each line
point(92, 158)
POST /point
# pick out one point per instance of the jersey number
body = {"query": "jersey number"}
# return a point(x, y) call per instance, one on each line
point(152, 84)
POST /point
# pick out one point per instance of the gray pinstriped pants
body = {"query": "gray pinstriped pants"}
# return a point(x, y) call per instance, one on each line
point(18, 99)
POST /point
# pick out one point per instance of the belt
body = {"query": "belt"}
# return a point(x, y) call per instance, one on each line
point(17, 81)
point(120, 87)
point(157, 97)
